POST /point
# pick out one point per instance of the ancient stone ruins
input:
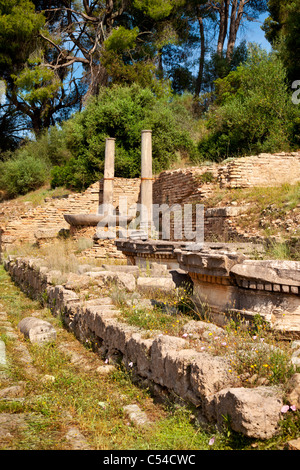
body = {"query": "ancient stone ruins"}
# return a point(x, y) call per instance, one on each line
point(230, 277)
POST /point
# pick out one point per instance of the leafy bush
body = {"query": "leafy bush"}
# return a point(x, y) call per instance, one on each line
point(253, 111)
point(122, 113)
point(22, 174)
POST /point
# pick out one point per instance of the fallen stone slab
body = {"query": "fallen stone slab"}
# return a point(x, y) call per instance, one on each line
point(203, 330)
point(122, 268)
point(37, 330)
point(156, 284)
point(78, 282)
point(8, 330)
point(124, 280)
point(11, 423)
point(42, 234)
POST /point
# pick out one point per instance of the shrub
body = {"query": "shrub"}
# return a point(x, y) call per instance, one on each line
point(253, 111)
point(123, 112)
point(22, 174)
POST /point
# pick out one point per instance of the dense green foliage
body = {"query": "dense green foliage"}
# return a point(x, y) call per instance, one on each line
point(22, 174)
point(253, 111)
point(282, 29)
point(122, 113)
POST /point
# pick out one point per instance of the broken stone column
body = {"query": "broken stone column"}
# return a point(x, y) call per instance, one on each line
point(146, 182)
point(37, 330)
point(108, 180)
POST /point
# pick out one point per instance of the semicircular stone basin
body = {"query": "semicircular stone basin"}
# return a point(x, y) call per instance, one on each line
point(88, 220)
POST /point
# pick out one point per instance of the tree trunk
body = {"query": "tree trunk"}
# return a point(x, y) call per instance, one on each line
point(224, 13)
point(36, 123)
point(202, 58)
point(237, 11)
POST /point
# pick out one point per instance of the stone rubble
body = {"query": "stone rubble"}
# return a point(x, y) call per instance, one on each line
point(136, 415)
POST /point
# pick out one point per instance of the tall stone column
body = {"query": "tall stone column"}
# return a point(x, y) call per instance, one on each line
point(108, 179)
point(146, 182)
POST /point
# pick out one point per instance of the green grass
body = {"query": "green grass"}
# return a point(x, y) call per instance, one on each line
point(269, 203)
point(38, 196)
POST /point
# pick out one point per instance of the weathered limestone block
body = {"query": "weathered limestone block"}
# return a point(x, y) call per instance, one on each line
point(136, 415)
point(97, 318)
point(138, 351)
point(124, 280)
point(156, 284)
point(59, 299)
point(293, 390)
point(293, 445)
point(202, 329)
point(162, 346)
point(277, 272)
point(78, 281)
point(208, 375)
point(209, 263)
point(54, 276)
point(177, 369)
point(253, 412)
point(159, 270)
point(43, 234)
point(13, 391)
point(117, 336)
point(37, 330)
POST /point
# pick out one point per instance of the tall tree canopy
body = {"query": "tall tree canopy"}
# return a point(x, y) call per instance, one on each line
point(282, 29)
point(54, 54)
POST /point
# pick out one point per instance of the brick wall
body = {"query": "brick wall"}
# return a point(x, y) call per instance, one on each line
point(183, 185)
point(22, 228)
point(261, 171)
